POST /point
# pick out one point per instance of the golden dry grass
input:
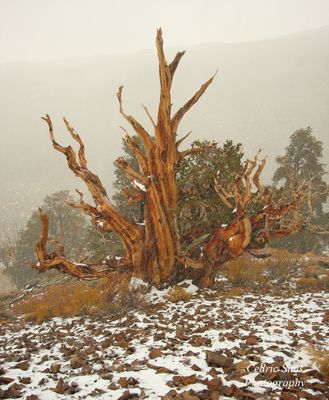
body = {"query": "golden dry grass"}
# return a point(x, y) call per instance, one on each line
point(101, 297)
point(321, 359)
point(177, 294)
point(244, 272)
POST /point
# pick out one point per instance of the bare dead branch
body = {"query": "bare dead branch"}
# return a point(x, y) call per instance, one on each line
point(141, 132)
point(129, 170)
point(149, 116)
point(76, 137)
point(180, 141)
point(186, 107)
point(174, 64)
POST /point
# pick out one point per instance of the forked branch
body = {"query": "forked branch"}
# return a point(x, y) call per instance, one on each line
point(57, 260)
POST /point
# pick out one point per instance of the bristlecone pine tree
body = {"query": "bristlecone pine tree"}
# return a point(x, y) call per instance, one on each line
point(153, 251)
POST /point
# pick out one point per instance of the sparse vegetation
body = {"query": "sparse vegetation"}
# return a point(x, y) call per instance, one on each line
point(321, 358)
point(235, 292)
point(244, 272)
point(281, 265)
point(178, 293)
point(81, 298)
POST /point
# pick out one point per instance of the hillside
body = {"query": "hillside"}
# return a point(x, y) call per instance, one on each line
point(262, 340)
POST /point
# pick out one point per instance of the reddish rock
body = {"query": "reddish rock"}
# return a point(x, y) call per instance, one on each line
point(77, 362)
point(5, 380)
point(252, 340)
point(25, 380)
point(214, 384)
point(184, 380)
point(24, 365)
point(155, 353)
point(218, 360)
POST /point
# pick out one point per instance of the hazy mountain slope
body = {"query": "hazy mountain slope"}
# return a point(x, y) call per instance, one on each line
point(263, 92)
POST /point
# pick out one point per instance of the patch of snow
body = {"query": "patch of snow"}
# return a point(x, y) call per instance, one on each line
point(139, 185)
point(137, 283)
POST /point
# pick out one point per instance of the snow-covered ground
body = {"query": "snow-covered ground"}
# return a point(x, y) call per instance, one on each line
point(249, 347)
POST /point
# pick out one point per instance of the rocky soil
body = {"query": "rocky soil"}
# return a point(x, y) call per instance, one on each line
point(254, 346)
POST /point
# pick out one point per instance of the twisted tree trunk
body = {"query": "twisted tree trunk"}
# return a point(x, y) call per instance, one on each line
point(152, 248)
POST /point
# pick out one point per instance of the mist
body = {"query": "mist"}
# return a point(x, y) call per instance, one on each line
point(68, 58)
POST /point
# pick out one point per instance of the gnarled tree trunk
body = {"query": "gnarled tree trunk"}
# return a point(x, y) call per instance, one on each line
point(152, 248)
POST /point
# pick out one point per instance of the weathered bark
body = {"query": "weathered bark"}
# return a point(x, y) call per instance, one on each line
point(152, 248)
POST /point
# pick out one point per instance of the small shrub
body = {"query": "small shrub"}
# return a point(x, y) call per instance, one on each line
point(177, 294)
point(243, 272)
point(281, 265)
point(321, 359)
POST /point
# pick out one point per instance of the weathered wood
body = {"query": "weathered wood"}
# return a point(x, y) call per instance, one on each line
point(152, 248)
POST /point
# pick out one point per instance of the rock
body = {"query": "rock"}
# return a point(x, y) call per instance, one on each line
point(190, 395)
point(24, 365)
point(184, 380)
point(128, 382)
point(252, 340)
point(214, 384)
point(5, 380)
point(61, 387)
point(218, 360)
point(25, 380)
point(244, 364)
point(55, 368)
point(196, 368)
point(90, 350)
point(197, 341)
point(180, 333)
point(291, 325)
point(164, 370)
point(127, 395)
point(77, 362)
point(288, 396)
point(113, 386)
point(170, 395)
point(32, 397)
point(97, 392)
point(10, 393)
point(155, 353)
point(123, 382)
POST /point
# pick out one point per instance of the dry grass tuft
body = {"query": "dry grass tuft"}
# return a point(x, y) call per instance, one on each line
point(321, 359)
point(321, 283)
point(177, 294)
point(281, 265)
point(313, 271)
point(244, 272)
point(234, 292)
point(308, 283)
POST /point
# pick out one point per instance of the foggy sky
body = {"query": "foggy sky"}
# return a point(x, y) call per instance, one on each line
point(34, 30)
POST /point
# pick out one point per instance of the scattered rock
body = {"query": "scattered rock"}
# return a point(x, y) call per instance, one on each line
point(184, 380)
point(214, 384)
point(291, 325)
point(155, 353)
point(5, 380)
point(218, 360)
point(127, 396)
point(77, 362)
point(252, 340)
